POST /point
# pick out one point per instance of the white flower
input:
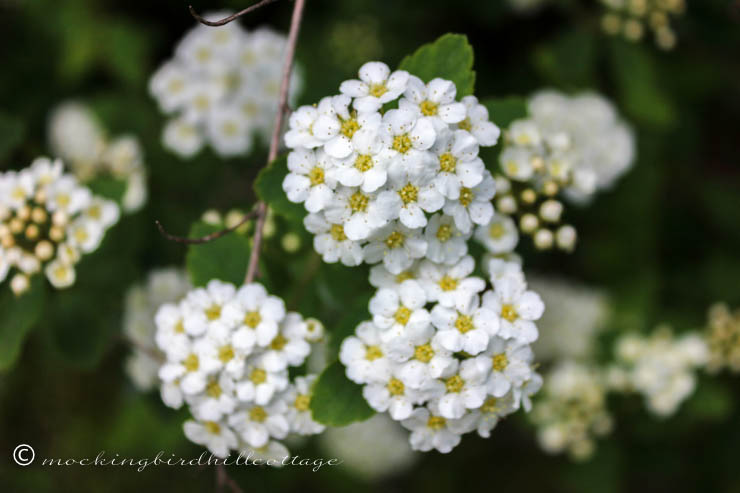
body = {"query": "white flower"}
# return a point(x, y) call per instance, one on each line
point(310, 179)
point(170, 328)
point(509, 364)
point(60, 274)
point(182, 137)
point(450, 285)
point(168, 85)
point(477, 123)
point(435, 100)
point(397, 246)
point(464, 388)
point(429, 430)
point(216, 436)
point(340, 127)
point(421, 357)
point(412, 192)
point(299, 416)
point(273, 453)
point(407, 137)
point(289, 347)
point(103, 212)
point(367, 165)
point(203, 307)
point(516, 162)
point(473, 206)
point(259, 384)
point(302, 121)
point(394, 396)
point(85, 234)
point(363, 355)
point(216, 401)
point(229, 132)
point(457, 162)
point(466, 327)
point(377, 86)
point(516, 307)
point(500, 235)
point(188, 369)
point(358, 212)
point(445, 243)
point(331, 241)
point(492, 410)
point(401, 311)
point(257, 424)
point(380, 277)
point(66, 195)
point(255, 315)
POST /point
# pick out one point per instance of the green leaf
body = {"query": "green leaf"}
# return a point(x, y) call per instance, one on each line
point(568, 61)
point(336, 400)
point(17, 316)
point(449, 57)
point(224, 258)
point(269, 188)
point(504, 111)
point(357, 312)
point(108, 187)
point(11, 134)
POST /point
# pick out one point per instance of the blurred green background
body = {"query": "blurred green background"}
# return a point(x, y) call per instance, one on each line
point(665, 243)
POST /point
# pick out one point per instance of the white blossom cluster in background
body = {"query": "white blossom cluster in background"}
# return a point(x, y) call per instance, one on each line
point(660, 366)
point(48, 220)
point(393, 186)
point(571, 409)
point(227, 353)
point(632, 18)
point(221, 88)
point(166, 285)
point(374, 449)
point(569, 145)
point(723, 338)
point(444, 355)
point(76, 136)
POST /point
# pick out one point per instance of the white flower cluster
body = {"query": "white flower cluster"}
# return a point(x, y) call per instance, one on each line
point(660, 367)
point(77, 137)
point(228, 352)
point(221, 88)
point(167, 285)
point(442, 354)
point(396, 185)
point(48, 221)
point(575, 145)
point(630, 18)
point(723, 338)
point(571, 410)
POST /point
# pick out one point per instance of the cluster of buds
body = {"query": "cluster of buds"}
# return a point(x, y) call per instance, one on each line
point(723, 338)
point(47, 221)
point(631, 18)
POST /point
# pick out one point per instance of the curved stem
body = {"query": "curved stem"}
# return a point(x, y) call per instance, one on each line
point(204, 239)
point(230, 18)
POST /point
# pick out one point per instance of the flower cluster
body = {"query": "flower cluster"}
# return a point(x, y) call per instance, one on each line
point(47, 222)
point(723, 338)
point(442, 354)
point(142, 301)
point(396, 185)
point(631, 18)
point(221, 88)
point(571, 410)
point(228, 352)
point(77, 137)
point(574, 145)
point(660, 367)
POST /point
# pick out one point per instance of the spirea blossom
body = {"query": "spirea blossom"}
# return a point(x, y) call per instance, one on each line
point(394, 185)
point(632, 18)
point(228, 352)
point(48, 220)
point(221, 88)
point(723, 338)
point(77, 137)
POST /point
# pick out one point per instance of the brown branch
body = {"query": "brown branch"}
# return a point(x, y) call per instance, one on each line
point(230, 18)
point(204, 239)
point(295, 25)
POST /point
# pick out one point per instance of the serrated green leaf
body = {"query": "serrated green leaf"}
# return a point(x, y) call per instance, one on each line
point(108, 187)
point(449, 57)
point(224, 258)
point(17, 316)
point(11, 134)
point(269, 188)
point(336, 400)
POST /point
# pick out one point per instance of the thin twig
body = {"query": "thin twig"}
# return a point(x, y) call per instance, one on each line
point(223, 479)
point(204, 239)
point(295, 25)
point(230, 18)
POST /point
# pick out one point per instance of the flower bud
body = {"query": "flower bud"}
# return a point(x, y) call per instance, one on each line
point(528, 223)
point(543, 239)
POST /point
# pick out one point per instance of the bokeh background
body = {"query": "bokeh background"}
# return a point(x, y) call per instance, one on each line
point(664, 244)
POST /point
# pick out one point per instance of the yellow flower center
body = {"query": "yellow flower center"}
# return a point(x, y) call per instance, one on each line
point(349, 127)
point(402, 143)
point(508, 312)
point(94, 212)
point(363, 162)
point(402, 315)
point(252, 319)
point(409, 193)
point(230, 129)
point(454, 384)
point(179, 327)
point(404, 276)
point(500, 362)
point(278, 343)
point(175, 86)
point(316, 175)
point(373, 353)
point(511, 168)
point(213, 389)
point(212, 427)
point(424, 353)
point(394, 240)
point(226, 353)
point(444, 233)
point(213, 312)
point(257, 414)
point(496, 231)
point(428, 108)
point(191, 363)
point(465, 125)
point(377, 90)
point(464, 323)
point(447, 162)
point(258, 376)
point(448, 283)
point(490, 406)
point(302, 402)
point(358, 202)
point(203, 54)
point(466, 196)
point(395, 387)
point(337, 232)
point(436, 423)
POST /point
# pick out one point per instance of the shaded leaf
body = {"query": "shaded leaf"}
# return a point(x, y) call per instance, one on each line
point(17, 316)
point(108, 187)
point(11, 134)
point(336, 400)
point(449, 57)
point(225, 258)
point(269, 188)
